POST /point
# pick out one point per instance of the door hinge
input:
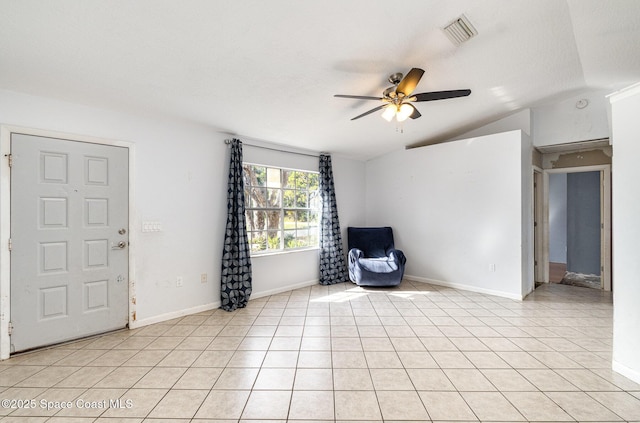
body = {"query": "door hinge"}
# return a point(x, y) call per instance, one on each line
point(10, 328)
point(10, 159)
point(10, 244)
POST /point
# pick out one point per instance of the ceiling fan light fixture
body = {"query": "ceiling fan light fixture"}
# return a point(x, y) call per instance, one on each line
point(389, 112)
point(404, 112)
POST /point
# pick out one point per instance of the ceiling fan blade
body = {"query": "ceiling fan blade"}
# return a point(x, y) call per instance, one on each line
point(416, 114)
point(360, 97)
point(440, 95)
point(375, 109)
point(410, 81)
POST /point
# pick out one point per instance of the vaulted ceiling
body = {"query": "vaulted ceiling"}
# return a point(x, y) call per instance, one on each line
point(268, 70)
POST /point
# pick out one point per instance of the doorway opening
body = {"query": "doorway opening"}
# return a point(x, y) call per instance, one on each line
point(575, 228)
point(573, 243)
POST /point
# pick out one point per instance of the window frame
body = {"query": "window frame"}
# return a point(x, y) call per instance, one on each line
point(282, 209)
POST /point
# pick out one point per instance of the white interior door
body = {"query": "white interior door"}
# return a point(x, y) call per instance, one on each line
point(69, 235)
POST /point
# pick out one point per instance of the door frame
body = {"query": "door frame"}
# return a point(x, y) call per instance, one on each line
point(538, 226)
point(605, 219)
point(5, 220)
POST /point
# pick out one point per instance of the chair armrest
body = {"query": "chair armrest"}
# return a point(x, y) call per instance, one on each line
point(397, 255)
point(355, 254)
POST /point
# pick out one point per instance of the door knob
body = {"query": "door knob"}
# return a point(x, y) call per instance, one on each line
point(120, 245)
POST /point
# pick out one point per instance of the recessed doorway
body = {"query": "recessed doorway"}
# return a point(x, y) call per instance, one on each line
point(576, 235)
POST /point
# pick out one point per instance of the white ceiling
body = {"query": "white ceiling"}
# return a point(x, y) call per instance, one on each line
point(268, 70)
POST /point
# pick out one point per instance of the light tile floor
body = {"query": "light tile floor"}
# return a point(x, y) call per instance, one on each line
point(341, 353)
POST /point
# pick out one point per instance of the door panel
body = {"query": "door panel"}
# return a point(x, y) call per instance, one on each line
point(69, 270)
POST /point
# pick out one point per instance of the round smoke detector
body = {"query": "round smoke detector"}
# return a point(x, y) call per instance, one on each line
point(582, 103)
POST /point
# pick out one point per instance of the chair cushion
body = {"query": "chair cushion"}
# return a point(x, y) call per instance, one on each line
point(378, 265)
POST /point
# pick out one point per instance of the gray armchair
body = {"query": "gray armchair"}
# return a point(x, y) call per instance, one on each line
point(373, 259)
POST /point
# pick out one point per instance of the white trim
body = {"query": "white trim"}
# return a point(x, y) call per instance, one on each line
point(5, 220)
point(634, 375)
point(605, 202)
point(256, 295)
point(538, 217)
point(212, 306)
point(465, 287)
point(5, 231)
point(624, 93)
point(255, 255)
point(174, 315)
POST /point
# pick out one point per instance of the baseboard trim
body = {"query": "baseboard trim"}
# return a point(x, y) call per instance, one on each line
point(211, 306)
point(465, 287)
point(279, 290)
point(634, 375)
point(174, 315)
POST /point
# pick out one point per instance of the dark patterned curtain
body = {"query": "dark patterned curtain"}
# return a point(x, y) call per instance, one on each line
point(235, 288)
point(333, 266)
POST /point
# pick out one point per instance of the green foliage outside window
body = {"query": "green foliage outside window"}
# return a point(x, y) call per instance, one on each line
point(282, 208)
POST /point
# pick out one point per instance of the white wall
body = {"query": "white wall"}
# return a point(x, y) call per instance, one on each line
point(457, 209)
point(180, 175)
point(626, 232)
point(561, 122)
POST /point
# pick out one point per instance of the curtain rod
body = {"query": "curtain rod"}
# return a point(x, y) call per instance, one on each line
point(228, 141)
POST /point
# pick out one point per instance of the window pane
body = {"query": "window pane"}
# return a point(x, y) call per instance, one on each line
point(290, 239)
point(302, 180)
point(259, 222)
point(289, 199)
point(289, 178)
point(247, 174)
point(313, 182)
point(313, 236)
point(258, 242)
point(273, 220)
point(302, 236)
point(302, 217)
point(273, 199)
point(273, 178)
point(313, 218)
point(289, 219)
point(258, 197)
point(314, 200)
point(257, 175)
point(248, 216)
point(274, 240)
point(302, 199)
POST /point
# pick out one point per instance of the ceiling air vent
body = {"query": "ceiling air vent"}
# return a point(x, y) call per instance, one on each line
point(460, 30)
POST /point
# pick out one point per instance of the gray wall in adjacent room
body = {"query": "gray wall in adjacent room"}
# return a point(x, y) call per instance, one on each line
point(583, 222)
point(558, 217)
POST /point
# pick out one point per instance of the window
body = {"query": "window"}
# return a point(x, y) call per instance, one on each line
point(282, 208)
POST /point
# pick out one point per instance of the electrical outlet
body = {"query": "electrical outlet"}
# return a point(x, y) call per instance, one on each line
point(179, 281)
point(492, 267)
point(203, 278)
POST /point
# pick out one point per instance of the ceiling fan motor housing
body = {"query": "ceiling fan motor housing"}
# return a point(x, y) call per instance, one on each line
point(395, 78)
